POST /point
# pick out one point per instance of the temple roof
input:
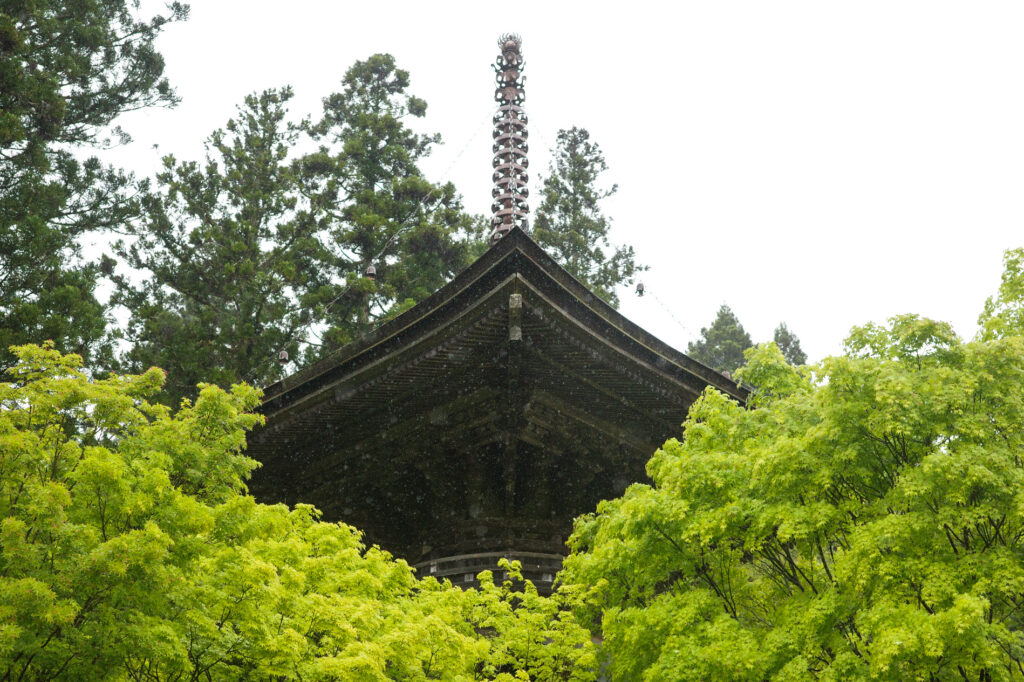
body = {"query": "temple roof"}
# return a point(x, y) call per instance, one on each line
point(487, 416)
point(514, 255)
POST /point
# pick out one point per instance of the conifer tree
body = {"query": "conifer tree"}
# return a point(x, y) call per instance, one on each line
point(722, 344)
point(377, 209)
point(789, 344)
point(67, 71)
point(569, 223)
point(231, 260)
point(256, 252)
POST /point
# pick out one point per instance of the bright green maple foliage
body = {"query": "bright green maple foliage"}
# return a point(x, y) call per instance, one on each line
point(865, 521)
point(535, 637)
point(129, 551)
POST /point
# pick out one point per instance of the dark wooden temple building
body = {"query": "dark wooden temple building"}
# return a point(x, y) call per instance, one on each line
point(481, 422)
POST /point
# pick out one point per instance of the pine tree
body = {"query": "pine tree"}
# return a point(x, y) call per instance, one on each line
point(376, 207)
point(789, 344)
point(232, 260)
point(67, 71)
point(569, 223)
point(254, 252)
point(722, 344)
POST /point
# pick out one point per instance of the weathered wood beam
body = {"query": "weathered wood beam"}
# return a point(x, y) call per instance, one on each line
point(402, 436)
point(365, 373)
point(600, 348)
point(635, 412)
point(514, 398)
point(608, 430)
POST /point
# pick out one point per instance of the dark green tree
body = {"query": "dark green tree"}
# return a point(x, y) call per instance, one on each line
point(789, 344)
point(366, 188)
point(569, 223)
point(67, 70)
point(722, 344)
point(232, 260)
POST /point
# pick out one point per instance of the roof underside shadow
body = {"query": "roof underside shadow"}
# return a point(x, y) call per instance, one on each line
point(485, 418)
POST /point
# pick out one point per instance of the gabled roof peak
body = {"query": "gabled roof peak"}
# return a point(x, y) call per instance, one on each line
point(516, 254)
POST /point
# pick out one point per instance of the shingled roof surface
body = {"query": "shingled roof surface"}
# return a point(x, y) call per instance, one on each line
point(483, 419)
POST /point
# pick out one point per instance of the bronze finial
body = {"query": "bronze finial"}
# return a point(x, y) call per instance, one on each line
point(509, 207)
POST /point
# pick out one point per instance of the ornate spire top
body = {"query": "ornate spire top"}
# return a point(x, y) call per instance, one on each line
point(509, 207)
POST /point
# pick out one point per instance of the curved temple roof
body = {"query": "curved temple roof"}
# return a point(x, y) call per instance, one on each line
point(484, 419)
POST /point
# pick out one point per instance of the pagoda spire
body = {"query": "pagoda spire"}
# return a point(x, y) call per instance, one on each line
point(509, 207)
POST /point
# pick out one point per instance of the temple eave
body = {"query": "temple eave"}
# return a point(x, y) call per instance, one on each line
point(486, 420)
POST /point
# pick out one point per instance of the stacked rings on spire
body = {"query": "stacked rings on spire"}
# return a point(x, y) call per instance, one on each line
point(509, 207)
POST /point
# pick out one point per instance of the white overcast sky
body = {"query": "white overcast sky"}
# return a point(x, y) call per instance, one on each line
point(822, 163)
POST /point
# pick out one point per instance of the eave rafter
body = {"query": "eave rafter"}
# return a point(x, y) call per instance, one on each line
point(353, 387)
point(512, 393)
point(613, 358)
